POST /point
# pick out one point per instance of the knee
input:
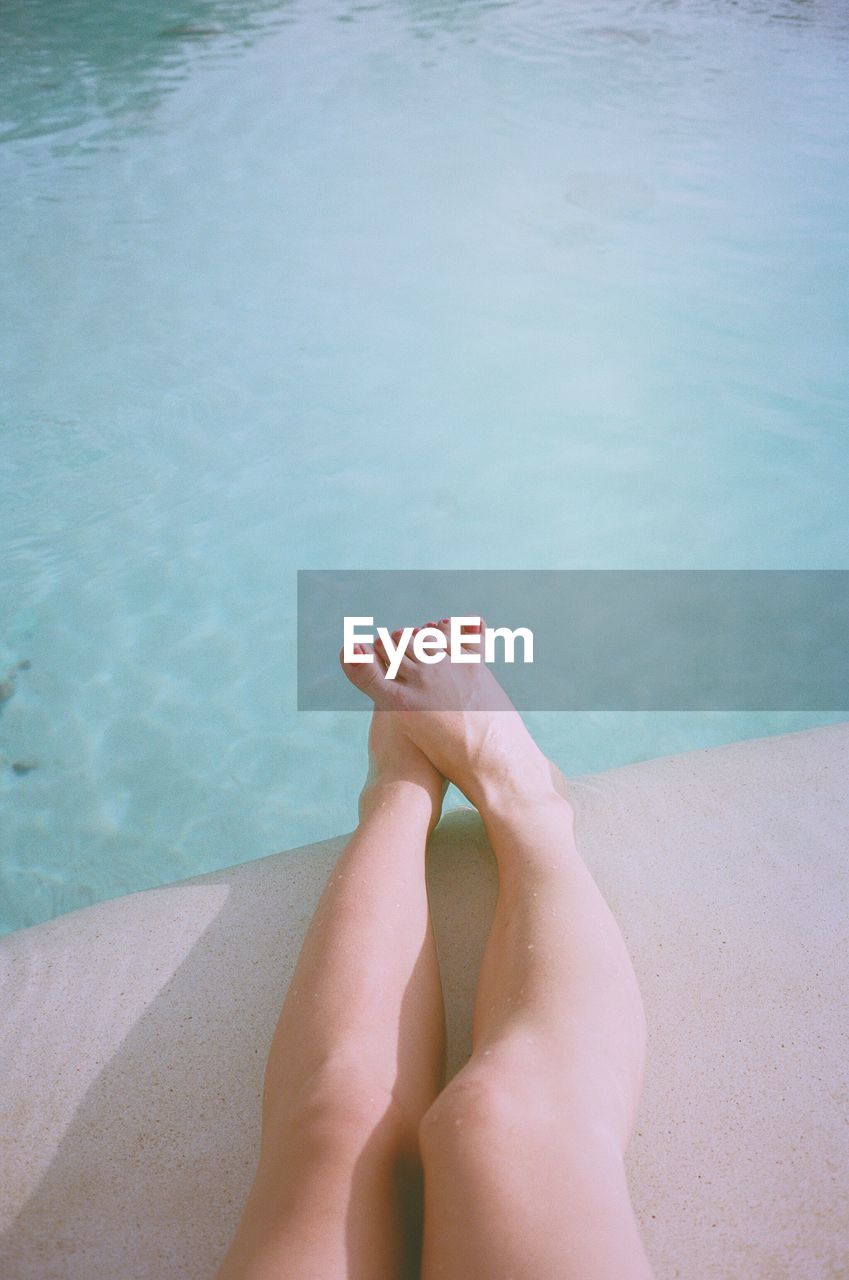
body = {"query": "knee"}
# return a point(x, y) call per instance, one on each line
point(507, 1090)
point(474, 1110)
point(340, 1106)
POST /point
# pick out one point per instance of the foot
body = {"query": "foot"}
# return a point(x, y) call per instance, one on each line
point(459, 716)
point(396, 766)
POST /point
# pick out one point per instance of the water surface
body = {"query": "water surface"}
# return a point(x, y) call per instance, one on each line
point(387, 285)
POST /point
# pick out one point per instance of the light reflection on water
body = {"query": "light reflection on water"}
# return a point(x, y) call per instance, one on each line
point(381, 285)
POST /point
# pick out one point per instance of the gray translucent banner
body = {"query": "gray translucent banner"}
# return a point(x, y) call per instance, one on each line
point(607, 640)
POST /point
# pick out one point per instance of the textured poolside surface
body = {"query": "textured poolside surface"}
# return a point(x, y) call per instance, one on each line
point(135, 1031)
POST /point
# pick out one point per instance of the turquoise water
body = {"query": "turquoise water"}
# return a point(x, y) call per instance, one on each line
point(387, 285)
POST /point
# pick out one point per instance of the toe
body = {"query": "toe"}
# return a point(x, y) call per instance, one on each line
point(475, 627)
point(370, 676)
point(380, 650)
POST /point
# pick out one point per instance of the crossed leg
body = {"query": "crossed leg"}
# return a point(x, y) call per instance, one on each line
point(522, 1153)
point(358, 1053)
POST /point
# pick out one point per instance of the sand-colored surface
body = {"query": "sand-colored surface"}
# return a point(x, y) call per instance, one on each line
point(134, 1033)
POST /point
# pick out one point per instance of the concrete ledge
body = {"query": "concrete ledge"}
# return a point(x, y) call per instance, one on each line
point(134, 1033)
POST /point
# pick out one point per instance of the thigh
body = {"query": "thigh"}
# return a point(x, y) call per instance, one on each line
point(515, 1190)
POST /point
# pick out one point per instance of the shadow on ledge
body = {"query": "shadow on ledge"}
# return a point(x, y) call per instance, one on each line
point(152, 1162)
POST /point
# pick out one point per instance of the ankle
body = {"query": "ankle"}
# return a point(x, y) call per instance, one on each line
point(513, 774)
point(506, 802)
point(383, 794)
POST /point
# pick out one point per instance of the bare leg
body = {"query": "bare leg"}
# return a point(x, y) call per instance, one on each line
point(534, 1127)
point(523, 1151)
point(358, 1053)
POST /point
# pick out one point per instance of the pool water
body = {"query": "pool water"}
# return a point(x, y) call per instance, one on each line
point(413, 284)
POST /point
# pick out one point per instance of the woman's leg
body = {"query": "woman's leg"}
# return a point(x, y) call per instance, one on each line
point(358, 1052)
point(523, 1151)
